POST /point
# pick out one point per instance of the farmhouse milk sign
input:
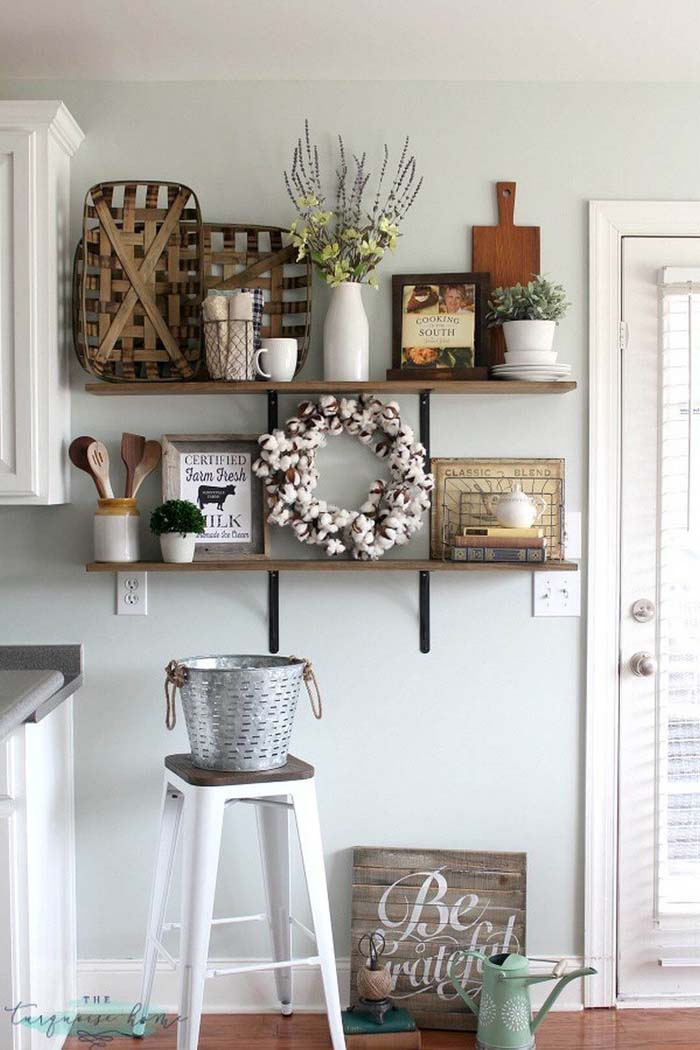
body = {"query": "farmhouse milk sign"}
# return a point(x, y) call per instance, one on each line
point(427, 904)
point(215, 473)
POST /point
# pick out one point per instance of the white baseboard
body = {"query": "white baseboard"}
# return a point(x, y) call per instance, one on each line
point(255, 992)
point(658, 1002)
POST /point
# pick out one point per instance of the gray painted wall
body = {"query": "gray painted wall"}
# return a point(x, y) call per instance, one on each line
point(478, 745)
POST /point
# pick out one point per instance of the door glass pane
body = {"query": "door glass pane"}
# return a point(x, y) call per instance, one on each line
point(678, 593)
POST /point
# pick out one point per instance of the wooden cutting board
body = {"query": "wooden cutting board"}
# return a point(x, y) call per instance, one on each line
point(509, 253)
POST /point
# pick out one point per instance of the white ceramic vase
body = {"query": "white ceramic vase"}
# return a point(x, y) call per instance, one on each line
point(346, 335)
point(529, 335)
point(178, 547)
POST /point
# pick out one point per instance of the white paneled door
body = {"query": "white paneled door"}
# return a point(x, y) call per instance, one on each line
point(659, 806)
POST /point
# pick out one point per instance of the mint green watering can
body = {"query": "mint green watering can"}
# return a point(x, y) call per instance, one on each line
point(504, 1010)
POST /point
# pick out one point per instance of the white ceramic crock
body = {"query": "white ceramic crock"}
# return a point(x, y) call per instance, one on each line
point(178, 547)
point(529, 335)
point(116, 530)
point(346, 335)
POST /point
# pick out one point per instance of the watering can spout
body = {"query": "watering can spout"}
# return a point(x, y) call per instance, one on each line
point(455, 982)
point(585, 971)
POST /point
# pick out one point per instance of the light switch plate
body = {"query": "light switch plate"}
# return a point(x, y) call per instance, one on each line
point(556, 594)
point(132, 594)
point(573, 543)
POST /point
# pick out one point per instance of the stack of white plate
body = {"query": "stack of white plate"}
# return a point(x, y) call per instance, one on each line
point(535, 366)
point(532, 373)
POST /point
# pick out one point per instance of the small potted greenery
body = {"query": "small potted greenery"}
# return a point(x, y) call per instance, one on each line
point(529, 314)
point(178, 523)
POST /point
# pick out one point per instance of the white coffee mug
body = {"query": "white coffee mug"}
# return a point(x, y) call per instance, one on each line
point(281, 360)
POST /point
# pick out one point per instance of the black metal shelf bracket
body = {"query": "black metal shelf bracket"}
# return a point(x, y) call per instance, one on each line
point(424, 577)
point(424, 424)
point(273, 611)
point(273, 578)
point(424, 605)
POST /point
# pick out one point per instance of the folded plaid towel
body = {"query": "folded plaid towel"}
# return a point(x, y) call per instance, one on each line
point(257, 314)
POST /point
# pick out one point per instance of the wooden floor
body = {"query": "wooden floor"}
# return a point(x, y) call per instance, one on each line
point(589, 1030)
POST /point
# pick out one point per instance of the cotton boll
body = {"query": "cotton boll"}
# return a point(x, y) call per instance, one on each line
point(260, 468)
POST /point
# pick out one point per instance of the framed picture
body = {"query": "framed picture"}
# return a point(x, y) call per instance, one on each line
point(214, 471)
point(427, 904)
point(462, 486)
point(439, 326)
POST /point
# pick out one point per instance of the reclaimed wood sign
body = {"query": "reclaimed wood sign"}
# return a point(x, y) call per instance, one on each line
point(427, 904)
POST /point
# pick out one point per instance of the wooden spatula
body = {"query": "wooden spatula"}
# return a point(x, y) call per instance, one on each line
point(510, 254)
point(77, 453)
point(132, 454)
point(149, 462)
point(98, 458)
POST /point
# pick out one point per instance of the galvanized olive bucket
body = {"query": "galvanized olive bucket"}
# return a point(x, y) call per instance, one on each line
point(239, 710)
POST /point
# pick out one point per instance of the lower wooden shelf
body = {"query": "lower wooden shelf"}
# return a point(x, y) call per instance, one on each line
point(326, 565)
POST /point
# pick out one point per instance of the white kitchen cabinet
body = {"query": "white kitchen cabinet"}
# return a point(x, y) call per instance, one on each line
point(37, 881)
point(37, 140)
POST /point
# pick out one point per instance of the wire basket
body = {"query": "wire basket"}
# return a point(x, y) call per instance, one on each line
point(239, 710)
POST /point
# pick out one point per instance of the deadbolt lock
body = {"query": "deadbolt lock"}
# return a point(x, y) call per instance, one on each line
point(643, 610)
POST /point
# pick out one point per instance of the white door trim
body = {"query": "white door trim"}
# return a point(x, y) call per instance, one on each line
point(609, 222)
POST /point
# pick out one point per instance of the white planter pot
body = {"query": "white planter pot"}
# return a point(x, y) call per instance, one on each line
point(529, 335)
point(346, 335)
point(178, 547)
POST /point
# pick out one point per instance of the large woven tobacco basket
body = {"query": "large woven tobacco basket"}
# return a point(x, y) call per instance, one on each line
point(143, 266)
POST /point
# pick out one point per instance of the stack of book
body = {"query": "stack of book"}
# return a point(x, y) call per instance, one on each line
point(398, 1032)
point(497, 543)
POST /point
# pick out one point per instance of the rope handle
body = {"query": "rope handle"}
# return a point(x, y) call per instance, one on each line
point(175, 678)
point(309, 680)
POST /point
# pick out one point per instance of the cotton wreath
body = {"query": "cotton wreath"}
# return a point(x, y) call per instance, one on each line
point(393, 510)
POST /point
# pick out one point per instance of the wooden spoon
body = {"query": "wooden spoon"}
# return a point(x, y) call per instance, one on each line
point(77, 454)
point(149, 462)
point(132, 454)
point(98, 458)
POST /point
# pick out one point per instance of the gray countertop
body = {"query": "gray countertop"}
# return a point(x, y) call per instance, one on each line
point(35, 679)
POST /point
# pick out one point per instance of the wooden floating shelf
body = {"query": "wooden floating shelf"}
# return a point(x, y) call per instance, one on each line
point(498, 387)
point(317, 565)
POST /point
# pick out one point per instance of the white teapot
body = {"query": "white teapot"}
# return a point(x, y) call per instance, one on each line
point(515, 509)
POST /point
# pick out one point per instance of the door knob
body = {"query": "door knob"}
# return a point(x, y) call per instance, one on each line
point(643, 664)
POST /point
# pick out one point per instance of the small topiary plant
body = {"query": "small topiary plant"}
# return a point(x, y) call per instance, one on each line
point(538, 300)
point(177, 515)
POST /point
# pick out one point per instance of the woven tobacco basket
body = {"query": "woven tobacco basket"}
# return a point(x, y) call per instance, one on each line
point(245, 256)
point(138, 282)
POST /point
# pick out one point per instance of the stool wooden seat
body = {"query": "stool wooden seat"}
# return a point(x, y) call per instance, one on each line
point(294, 769)
point(197, 798)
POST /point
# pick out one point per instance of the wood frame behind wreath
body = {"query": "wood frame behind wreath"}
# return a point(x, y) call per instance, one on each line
point(174, 445)
point(480, 369)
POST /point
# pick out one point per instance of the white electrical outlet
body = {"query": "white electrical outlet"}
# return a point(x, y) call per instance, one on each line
point(556, 594)
point(132, 594)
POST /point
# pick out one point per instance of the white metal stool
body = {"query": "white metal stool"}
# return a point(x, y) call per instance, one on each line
point(203, 794)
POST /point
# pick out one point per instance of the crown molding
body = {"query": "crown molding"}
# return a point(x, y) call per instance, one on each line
point(50, 114)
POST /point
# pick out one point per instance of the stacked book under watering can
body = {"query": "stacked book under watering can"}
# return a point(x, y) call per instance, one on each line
point(397, 1031)
point(518, 536)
